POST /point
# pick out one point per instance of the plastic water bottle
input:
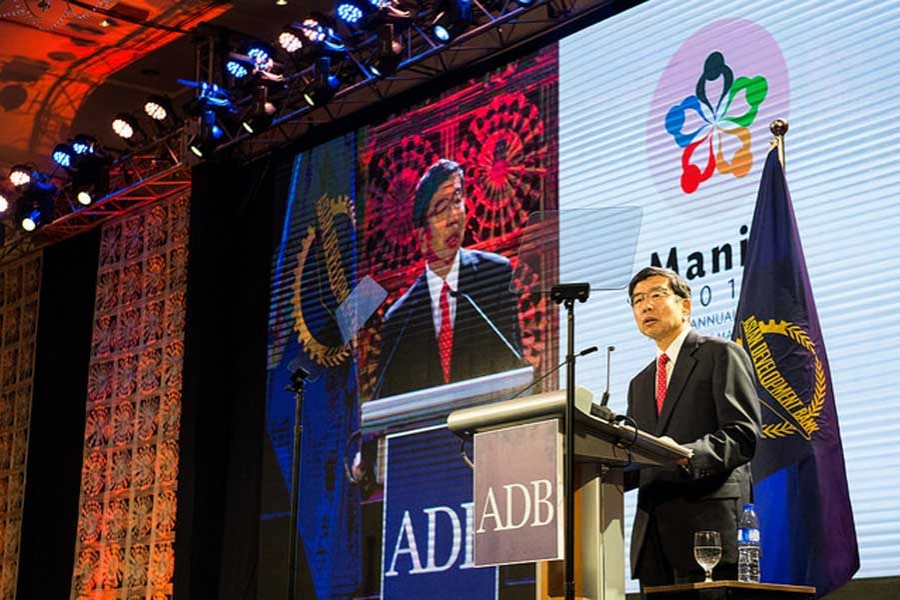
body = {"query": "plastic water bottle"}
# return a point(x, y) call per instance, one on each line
point(748, 545)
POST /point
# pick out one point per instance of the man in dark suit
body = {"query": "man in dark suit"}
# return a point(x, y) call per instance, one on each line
point(700, 392)
point(434, 333)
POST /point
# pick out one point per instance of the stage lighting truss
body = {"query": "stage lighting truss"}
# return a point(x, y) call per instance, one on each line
point(390, 49)
point(377, 49)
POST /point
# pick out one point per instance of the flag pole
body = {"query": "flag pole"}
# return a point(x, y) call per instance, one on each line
point(779, 127)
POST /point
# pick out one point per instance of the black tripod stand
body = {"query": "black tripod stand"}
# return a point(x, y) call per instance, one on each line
point(566, 294)
point(298, 380)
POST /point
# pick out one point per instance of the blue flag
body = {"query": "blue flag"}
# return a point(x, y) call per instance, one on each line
point(313, 274)
point(806, 521)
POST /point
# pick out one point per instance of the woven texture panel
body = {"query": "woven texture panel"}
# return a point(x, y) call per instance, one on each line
point(126, 524)
point(19, 291)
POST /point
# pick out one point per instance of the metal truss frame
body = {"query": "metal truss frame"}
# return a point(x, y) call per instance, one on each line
point(163, 167)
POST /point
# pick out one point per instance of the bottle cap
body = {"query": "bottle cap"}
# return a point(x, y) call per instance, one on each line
point(748, 506)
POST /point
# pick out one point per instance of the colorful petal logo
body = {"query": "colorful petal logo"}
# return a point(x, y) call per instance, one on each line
point(704, 126)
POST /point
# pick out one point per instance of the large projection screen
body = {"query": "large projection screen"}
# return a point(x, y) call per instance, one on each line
point(583, 125)
point(830, 71)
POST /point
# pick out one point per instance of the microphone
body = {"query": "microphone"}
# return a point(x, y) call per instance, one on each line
point(603, 411)
point(605, 399)
point(376, 390)
point(585, 352)
point(486, 319)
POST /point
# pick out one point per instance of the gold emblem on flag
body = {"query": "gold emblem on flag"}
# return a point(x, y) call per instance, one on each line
point(797, 416)
point(327, 209)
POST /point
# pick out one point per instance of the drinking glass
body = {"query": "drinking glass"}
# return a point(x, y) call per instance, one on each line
point(707, 551)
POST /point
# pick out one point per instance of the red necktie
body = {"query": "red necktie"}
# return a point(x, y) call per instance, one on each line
point(445, 337)
point(661, 383)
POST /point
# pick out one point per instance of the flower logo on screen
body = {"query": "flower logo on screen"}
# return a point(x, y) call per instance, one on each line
point(713, 125)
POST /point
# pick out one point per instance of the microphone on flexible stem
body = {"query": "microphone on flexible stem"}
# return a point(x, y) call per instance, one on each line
point(486, 319)
point(601, 410)
point(585, 352)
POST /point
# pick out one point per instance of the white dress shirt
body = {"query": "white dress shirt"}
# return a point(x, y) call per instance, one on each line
point(672, 352)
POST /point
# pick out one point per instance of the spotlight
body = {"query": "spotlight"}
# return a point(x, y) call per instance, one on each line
point(31, 221)
point(451, 18)
point(4, 204)
point(20, 175)
point(349, 13)
point(256, 61)
point(290, 41)
point(388, 53)
point(313, 30)
point(62, 155)
point(318, 32)
point(127, 128)
point(159, 109)
point(261, 111)
point(210, 134)
point(35, 207)
point(84, 144)
point(261, 54)
point(91, 178)
point(236, 68)
point(324, 83)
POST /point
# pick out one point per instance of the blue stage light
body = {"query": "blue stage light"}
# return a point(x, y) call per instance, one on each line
point(236, 69)
point(349, 13)
point(441, 33)
point(84, 144)
point(62, 155)
point(259, 55)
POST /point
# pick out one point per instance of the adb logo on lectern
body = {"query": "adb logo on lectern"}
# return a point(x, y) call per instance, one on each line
point(709, 120)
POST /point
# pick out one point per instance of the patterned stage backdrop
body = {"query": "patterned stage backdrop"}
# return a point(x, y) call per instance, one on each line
point(19, 291)
point(126, 524)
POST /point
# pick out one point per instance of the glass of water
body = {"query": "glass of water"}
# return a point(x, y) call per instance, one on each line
point(707, 550)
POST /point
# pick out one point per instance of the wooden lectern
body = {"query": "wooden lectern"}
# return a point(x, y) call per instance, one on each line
point(603, 450)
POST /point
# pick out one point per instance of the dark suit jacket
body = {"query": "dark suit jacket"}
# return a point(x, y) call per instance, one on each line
point(711, 407)
point(409, 358)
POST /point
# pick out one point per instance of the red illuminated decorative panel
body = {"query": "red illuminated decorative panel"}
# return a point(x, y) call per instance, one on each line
point(126, 524)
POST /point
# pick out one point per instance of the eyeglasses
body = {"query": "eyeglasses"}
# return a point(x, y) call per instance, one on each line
point(445, 205)
point(654, 295)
